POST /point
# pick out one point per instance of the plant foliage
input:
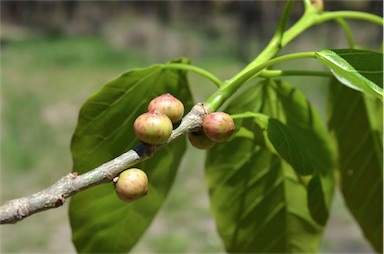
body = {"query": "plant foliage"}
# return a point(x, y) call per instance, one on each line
point(359, 69)
point(264, 194)
point(271, 185)
point(100, 221)
point(356, 121)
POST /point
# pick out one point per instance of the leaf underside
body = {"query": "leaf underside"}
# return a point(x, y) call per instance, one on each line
point(356, 121)
point(358, 69)
point(100, 222)
point(258, 197)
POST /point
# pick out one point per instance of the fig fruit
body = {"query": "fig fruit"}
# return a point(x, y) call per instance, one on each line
point(199, 140)
point(218, 126)
point(131, 184)
point(169, 106)
point(153, 127)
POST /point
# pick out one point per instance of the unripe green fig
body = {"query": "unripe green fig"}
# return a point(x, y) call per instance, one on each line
point(153, 127)
point(131, 184)
point(169, 106)
point(218, 126)
point(199, 140)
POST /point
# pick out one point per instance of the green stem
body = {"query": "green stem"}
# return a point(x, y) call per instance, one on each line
point(284, 19)
point(231, 86)
point(249, 114)
point(274, 44)
point(326, 16)
point(311, 16)
point(280, 73)
point(255, 70)
point(195, 69)
point(307, 4)
point(347, 30)
point(305, 22)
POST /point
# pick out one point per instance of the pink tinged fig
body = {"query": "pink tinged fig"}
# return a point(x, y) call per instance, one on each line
point(131, 184)
point(199, 140)
point(153, 127)
point(169, 106)
point(218, 126)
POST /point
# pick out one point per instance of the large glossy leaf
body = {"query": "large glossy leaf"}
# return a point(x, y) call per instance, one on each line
point(356, 121)
point(101, 223)
point(260, 203)
point(359, 69)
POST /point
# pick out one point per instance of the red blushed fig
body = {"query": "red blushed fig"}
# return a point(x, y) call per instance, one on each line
point(131, 184)
point(218, 126)
point(169, 106)
point(199, 140)
point(153, 127)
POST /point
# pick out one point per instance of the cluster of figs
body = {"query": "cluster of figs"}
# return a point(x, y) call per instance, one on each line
point(155, 128)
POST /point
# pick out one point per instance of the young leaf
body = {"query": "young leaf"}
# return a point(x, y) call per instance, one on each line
point(100, 221)
point(359, 69)
point(356, 121)
point(260, 204)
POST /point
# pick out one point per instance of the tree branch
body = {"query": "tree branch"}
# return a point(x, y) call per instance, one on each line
point(54, 196)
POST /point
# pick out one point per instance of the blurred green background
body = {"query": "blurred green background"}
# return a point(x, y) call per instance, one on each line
point(55, 54)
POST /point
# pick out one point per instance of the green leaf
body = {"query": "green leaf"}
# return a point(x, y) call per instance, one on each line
point(320, 191)
point(356, 122)
point(305, 124)
point(259, 202)
point(100, 221)
point(287, 147)
point(320, 187)
point(359, 69)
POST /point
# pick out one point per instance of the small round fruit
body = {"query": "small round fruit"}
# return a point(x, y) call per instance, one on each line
point(218, 126)
point(153, 127)
point(132, 184)
point(199, 140)
point(169, 106)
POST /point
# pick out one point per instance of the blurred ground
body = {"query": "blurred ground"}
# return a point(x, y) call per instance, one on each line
point(46, 76)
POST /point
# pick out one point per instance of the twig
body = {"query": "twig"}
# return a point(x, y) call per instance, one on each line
point(54, 196)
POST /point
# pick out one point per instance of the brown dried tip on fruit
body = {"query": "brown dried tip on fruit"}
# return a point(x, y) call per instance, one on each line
point(199, 140)
point(218, 126)
point(168, 105)
point(132, 184)
point(153, 127)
